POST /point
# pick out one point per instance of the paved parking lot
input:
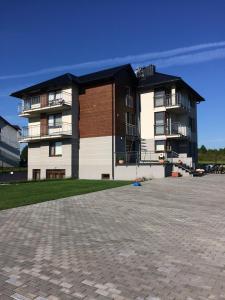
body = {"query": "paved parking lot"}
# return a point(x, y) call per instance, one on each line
point(164, 240)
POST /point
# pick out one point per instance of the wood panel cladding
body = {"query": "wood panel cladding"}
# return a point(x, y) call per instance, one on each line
point(43, 124)
point(96, 111)
point(44, 100)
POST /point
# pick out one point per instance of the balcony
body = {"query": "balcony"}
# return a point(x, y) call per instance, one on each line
point(131, 129)
point(45, 132)
point(38, 104)
point(173, 130)
point(174, 101)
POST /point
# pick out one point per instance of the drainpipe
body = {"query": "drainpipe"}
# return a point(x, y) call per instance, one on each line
point(113, 129)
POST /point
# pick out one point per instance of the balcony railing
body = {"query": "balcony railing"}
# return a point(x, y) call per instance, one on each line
point(138, 157)
point(131, 129)
point(170, 101)
point(173, 129)
point(45, 131)
point(34, 103)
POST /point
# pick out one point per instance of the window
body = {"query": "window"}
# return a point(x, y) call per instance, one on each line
point(35, 99)
point(159, 123)
point(105, 176)
point(54, 97)
point(55, 173)
point(130, 118)
point(55, 120)
point(55, 149)
point(159, 98)
point(129, 101)
point(160, 146)
point(36, 174)
point(32, 102)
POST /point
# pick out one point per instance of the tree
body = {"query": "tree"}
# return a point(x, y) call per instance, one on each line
point(203, 149)
point(24, 157)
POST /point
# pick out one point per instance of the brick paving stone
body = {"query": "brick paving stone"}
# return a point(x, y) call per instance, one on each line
point(162, 241)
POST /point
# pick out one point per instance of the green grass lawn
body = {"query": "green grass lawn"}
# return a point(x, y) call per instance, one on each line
point(19, 194)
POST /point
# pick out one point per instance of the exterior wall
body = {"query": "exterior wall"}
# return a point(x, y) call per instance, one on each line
point(74, 119)
point(9, 146)
point(95, 126)
point(147, 120)
point(96, 111)
point(38, 158)
point(95, 157)
point(38, 152)
point(132, 172)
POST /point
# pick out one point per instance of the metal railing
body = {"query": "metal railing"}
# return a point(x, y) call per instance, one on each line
point(143, 157)
point(131, 129)
point(64, 98)
point(36, 131)
point(173, 129)
point(136, 157)
point(171, 100)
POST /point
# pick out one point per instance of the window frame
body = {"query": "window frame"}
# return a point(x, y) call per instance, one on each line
point(52, 145)
point(55, 125)
point(160, 125)
point(164, 143)
point(155, 98)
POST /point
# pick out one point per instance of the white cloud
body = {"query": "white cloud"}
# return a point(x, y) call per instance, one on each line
point(192, 58)
point(163, 58)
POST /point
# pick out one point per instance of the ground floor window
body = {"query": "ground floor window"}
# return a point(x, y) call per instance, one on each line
point(36, 174)
point(55, 149)
point(55, 173)
point(160, 146)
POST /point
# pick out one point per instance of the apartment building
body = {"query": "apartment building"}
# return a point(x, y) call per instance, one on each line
point(104, 125)
point(168, 115)
point(9, 145)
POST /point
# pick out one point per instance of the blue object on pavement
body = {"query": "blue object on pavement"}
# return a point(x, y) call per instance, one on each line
point(136, 184)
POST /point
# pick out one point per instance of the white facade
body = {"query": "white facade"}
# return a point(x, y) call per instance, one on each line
point(38, 158)
point(95, 157)
point(177, 116)
point(63, 134)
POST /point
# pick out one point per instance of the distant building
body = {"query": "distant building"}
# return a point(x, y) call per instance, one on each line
point(9, 145)
point(111, 124)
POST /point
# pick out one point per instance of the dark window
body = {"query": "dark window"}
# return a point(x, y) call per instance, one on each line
point(55, 174)
point(129, 100)
point(160, 146)
point(105, 176)
point(36, 174)
point(159, 98)
point(159, 123)
point(130, 118)
point(55, 120)
point(54, 97)
point(55, 149)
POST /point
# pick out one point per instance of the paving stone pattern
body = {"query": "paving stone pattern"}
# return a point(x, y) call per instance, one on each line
point(164, 240)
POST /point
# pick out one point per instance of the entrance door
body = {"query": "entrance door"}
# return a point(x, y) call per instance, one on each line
point(36, 174)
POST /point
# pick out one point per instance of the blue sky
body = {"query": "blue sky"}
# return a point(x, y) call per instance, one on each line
point(50, 35)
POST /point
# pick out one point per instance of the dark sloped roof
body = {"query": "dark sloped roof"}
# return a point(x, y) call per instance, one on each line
point(159, 79)
point(6, 122)
point(144, 84)
point(53, 83)
point(67, 79)
point(104, 74)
